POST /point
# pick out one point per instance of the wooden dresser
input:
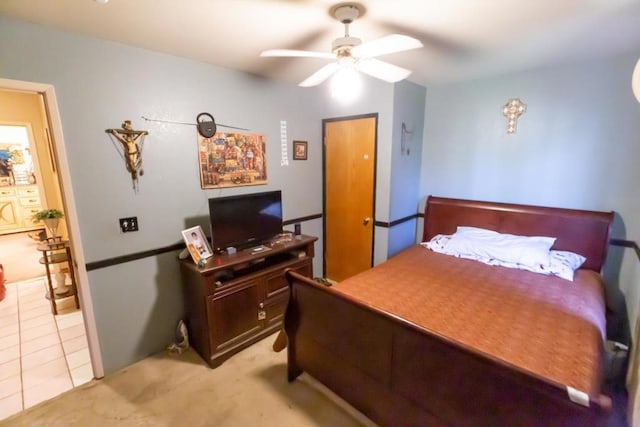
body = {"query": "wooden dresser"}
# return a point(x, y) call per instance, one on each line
point(18, 204)
point(236, 300)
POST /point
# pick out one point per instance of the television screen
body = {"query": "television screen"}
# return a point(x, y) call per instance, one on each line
point(245, 220)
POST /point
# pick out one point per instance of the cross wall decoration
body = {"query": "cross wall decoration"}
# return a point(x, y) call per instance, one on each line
point(512, 110)
point(131, 141)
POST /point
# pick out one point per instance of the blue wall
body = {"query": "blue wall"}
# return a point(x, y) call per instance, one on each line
point(98, 85)
point(404, 192)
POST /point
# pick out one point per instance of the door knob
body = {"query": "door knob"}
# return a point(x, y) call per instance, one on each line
point(366, 220)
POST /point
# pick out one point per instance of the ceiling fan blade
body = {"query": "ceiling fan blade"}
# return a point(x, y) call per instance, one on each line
point(383, 70)
point(321, 75)
point(384, 45)
point(297, 53)
point(429, 38)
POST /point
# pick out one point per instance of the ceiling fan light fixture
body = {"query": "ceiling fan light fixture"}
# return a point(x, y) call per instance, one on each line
point(346, 83)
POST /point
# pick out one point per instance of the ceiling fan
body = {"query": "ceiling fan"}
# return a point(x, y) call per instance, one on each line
point(351, 54)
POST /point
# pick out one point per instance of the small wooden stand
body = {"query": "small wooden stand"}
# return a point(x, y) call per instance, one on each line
point(55, 251)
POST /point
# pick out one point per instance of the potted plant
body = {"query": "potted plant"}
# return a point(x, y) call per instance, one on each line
point(51, 218)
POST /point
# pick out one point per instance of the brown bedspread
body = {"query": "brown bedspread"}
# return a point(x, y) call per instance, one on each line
point(545, 325)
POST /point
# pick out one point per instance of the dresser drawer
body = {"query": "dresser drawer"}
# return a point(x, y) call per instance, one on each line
point(28, 191)
point(30, 201)
point(4, 192)
point(277, 283)
point(28, 213)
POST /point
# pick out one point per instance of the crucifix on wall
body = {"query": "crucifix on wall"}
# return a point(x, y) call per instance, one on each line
point(131, 143)
point(512, 110)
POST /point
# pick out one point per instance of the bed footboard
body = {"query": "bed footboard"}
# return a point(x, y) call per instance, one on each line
point(399, 374)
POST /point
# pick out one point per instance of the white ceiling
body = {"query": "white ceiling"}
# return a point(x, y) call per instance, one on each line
point(463, 39)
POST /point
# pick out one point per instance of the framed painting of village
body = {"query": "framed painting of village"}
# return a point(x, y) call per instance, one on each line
point(231, 159)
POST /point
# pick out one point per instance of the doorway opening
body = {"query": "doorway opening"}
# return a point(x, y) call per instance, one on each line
point(42, 354)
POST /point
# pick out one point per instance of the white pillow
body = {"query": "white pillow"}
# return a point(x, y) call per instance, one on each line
point(564, 264)
point(561, 264)
point(532, 251)
point(437, 243)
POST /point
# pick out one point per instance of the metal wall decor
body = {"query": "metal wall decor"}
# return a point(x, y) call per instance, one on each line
point(172, 122)
point(512, 110)
point(206, 128)
point(131, 143)
point(405, 139)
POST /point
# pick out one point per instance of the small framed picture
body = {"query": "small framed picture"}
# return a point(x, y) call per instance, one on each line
point(299, 150)
point(197, 244)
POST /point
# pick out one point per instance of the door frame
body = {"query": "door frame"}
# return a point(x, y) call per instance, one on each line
point(324, 190)
point(57, 143)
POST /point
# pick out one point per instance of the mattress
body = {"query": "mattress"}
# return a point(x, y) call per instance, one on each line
point(543, 325)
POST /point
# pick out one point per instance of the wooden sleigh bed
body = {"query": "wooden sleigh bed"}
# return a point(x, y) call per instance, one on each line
point(429, 339)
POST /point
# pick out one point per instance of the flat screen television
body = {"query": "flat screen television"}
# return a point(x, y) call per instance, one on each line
point(245, 220)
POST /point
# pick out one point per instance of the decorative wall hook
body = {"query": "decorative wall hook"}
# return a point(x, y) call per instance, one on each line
point(405, 139)
point(131, 142)
point(513, 109)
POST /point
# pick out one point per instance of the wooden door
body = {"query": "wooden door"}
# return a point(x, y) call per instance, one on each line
point(349, 185)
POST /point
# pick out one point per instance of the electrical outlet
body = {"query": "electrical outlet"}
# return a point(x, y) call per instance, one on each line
point(129, 224)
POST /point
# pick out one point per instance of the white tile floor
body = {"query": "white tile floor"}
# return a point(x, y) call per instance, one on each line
point(41, 355)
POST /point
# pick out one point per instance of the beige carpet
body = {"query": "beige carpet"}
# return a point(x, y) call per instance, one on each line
point(19, 256)
point(250, 389)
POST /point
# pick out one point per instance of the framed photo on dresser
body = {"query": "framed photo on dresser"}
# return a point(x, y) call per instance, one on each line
point(197, 243)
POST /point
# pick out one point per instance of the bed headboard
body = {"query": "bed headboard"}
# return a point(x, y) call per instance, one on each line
point(582, 232)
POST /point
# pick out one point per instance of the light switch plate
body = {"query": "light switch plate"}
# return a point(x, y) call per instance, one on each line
point(129, 224)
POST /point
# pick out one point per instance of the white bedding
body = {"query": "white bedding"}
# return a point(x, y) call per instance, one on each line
point(531, 253)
